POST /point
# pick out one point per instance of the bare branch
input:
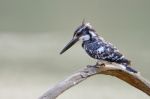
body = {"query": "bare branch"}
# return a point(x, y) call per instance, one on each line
point(134, 79)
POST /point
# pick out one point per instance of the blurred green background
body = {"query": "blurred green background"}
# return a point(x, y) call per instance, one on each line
point(32, 33)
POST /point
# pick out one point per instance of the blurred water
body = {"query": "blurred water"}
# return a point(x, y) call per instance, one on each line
point(30, 63)
point(32, 33)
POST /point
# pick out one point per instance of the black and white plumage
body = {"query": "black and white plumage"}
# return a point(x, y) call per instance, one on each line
point(97, 47)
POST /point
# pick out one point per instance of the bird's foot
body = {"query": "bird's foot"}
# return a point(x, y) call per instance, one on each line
point(90, 66)
point(97, 65)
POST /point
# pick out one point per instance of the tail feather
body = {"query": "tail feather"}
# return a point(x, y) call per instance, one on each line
point(127, 64)
point(124, 61)
point(131, 69)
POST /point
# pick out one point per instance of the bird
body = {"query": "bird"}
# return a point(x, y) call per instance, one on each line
point(96, 47)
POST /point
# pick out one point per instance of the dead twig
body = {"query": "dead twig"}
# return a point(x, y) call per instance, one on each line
point(134, 79)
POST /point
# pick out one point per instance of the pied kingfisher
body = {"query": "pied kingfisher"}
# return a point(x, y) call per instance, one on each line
point(96, 47)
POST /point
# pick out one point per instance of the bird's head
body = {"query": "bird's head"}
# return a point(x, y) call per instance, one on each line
point(84, 32)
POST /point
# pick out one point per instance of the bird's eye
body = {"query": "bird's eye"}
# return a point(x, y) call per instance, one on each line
point(78, 34)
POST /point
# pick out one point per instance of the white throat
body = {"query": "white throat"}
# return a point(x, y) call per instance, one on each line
point(85, 37)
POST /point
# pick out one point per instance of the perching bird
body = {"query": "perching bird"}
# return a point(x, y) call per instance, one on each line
point(96, 47)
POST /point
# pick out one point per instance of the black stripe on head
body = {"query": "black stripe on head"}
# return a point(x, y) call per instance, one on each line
point(79, 29)
point(84, 29)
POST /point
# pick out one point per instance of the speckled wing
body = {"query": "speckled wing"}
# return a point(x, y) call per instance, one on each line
point(105, 51)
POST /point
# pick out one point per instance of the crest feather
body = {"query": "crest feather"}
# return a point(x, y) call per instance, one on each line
point(83, 22)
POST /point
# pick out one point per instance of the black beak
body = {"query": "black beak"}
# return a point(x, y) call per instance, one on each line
point(71, 43)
